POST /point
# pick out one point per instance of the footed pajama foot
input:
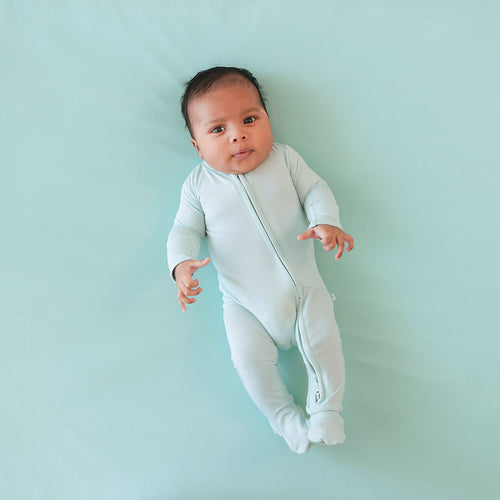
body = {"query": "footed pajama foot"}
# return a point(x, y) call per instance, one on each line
point(326, 427)
point(293, 428)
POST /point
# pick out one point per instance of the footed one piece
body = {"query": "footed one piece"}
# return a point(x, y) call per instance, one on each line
point(273, 294)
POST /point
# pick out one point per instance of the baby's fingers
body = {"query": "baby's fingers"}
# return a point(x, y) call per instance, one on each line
point(193, 291)
point(183, 299)
point(328, 243)
point(350, 242)
point(310, 233)
point(197, 264)
point(189, 289)
point(340, 249)
point(190, 283)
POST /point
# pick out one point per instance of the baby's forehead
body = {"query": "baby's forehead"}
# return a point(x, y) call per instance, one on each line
point(232, 80)
point(228, 81)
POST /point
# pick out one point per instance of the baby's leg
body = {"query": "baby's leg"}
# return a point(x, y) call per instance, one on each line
point(255, 358)
point(318, 338)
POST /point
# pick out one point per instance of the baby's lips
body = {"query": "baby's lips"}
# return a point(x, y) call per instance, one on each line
point(242, 153)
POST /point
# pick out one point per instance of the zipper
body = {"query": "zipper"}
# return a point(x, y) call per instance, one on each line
point(317, 394)
point(280, 258)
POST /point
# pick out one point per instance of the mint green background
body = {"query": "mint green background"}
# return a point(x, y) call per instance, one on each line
point(107, 390)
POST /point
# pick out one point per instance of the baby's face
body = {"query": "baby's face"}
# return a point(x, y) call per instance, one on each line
point(231, 129)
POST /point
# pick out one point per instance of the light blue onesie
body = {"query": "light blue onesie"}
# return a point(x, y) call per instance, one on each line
point(273, 294)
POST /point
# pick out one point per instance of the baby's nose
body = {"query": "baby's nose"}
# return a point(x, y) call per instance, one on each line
point(239, 136)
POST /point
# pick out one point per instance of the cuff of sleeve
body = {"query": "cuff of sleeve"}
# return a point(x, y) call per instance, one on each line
point(325, 220)
point(174, 263)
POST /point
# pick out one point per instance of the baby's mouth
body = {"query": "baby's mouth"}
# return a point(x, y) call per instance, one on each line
point(243, 153)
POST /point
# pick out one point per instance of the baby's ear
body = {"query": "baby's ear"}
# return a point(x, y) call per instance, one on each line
point(198, 150)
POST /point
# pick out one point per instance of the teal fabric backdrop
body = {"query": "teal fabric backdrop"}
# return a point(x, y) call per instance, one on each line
point(109, 391)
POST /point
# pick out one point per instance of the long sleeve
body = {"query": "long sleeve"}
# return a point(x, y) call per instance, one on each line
point(185, 238)
point(314, 194)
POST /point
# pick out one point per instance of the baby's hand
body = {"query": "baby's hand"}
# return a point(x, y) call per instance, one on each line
point(330, 236)
point(186, 286)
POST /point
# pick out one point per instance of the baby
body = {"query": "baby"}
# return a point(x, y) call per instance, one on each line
point(260, 206)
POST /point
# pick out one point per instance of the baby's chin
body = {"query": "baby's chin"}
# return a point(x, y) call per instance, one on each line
point(238, 168)
point(242, 171)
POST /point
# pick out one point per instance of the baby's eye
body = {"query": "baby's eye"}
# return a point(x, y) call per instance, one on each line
point(217, 130)
point(248, 120)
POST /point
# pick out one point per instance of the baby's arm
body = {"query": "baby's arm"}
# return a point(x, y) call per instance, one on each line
point(184, 242)
point(186, 286)
point(320, 206)
point(330, 237)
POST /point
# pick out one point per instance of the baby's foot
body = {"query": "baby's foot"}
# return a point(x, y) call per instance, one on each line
point(326, 427)
point(293, 428)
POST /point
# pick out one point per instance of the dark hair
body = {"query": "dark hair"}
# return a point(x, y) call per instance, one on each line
point(206, 80)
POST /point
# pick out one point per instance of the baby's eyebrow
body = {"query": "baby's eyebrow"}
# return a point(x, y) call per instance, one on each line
point(217, 120)
point(251, 110)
